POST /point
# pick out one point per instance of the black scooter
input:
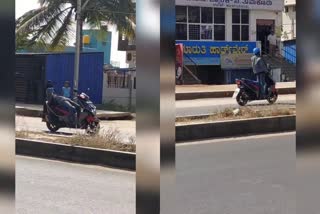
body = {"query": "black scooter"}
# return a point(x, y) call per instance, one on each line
point(56, 117)
point(248, 90)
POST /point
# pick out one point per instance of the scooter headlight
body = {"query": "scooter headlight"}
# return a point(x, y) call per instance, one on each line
point(94, 111)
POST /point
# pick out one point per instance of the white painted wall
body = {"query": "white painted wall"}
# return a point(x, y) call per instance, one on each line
point(120, 96)
point(289, 23)
point(118, 56)
point(289, 2)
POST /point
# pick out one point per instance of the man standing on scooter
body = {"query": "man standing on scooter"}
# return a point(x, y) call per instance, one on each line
point(260, 69)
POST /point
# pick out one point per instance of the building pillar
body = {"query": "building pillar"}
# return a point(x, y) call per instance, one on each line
point(228, 24)
point(252, 26)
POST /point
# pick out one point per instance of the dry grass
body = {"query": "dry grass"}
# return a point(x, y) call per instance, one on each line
point(110, 139)
point(243, 113)
point(22, 134)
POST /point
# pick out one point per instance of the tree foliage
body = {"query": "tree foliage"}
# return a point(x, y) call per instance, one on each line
point(50, 25)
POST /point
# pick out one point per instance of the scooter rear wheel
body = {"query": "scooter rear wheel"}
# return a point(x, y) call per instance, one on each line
point(242, 98)
point(52, 127)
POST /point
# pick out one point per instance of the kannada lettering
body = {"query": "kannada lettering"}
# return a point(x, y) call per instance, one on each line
point(195, 50)
point(230, 3)
point(214, 50)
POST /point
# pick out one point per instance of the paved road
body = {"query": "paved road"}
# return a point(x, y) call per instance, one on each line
point(252, 175)
point(209, 106)
point(52, 187)
point(126, 128)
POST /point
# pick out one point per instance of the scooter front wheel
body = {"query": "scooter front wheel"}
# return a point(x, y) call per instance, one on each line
point(272, 98)
point(52, 127)
point(93, 129)
point(242, 98)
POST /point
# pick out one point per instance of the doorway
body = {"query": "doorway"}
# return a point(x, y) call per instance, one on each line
point(264, 27)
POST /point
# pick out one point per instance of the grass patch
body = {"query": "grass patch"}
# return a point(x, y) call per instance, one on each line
point(109, 139)
point(241, 113)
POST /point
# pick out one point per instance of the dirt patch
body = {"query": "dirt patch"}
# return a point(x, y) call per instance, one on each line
point(238, 113)
point(109, 139)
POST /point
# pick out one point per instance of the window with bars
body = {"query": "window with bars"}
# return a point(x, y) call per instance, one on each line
point(200, 23)
point(240, 25)
point(194, 32)
point(206, 32)
point(120, 80)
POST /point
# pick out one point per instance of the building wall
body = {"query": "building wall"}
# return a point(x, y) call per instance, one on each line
point(289, 23)
point(253, 16)
point(117, 95)
point(101, 42)
point(118, 57)
point(289, 2)
point(261, 14)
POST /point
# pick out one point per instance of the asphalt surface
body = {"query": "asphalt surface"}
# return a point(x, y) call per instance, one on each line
point(52, 187)
point(252, 175)
point(212, 105)
point(125, 128)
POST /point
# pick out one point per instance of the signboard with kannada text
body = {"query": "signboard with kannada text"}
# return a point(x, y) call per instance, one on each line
point(273, 5)
point(209, 52)
point(236, 61)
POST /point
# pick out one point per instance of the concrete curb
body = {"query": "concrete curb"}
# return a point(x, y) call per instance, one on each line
point(109, 158)
point(203, 116)
point(102, 116)
point(184, 133)
point(234, 128)
point(220, 94)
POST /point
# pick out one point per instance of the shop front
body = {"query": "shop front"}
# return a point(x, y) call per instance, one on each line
point(215, 60)
point(209, 29)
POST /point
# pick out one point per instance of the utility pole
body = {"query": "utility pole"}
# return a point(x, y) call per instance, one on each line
point(77, 53)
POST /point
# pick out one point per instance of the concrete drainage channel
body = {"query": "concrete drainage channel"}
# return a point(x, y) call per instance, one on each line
point(184, 133)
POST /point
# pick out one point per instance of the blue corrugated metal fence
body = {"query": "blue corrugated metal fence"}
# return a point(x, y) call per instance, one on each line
point(289, 51)
point(60, 68)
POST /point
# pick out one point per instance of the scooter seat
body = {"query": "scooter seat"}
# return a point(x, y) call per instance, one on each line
point(251, 81)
